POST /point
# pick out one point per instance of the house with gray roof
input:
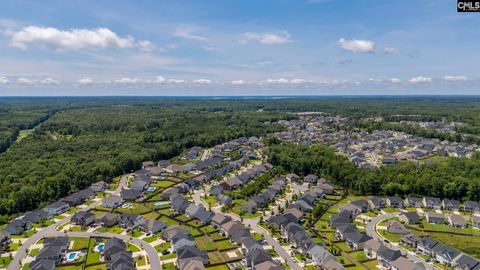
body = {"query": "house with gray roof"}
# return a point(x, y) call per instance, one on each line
point(435, 218)
point(448, 204)
point(151, 226)
point(471, 207)
point(465, 262)
point(394, 226)
point(395, 202)
point(112, 201)
point(57, 208)
point(457, 221)
point(387, 256)
point(409, 218)
point(356, 240)
point(83, 218)
point(319, 254)
point(476, 222)
point(109, 220)
point(371, 247)
point(182, 241)
point(425, 246)
point(432, 203)
point(402, 263)
point(414, 202)
point(42, 264)
point(188, 253)
point(445, 254)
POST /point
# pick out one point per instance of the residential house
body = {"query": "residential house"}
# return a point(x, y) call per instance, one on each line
point(319, 255)
point(112, 201)
point(402, 263)
point(151, 226)
point(218, 220)
point(471, 207)
point(293, 177)
point(414, 202)
point(42, 264)
point(435, 218)
point(353, 209)
point(193, 264)
point(188, 253)
point(5, 240)
point(113, 246)
point(249, 244)
point(229, 228)
point(139, 185)
point(18, 226)
point(453, 205)
point(410, 240)
point(57, 208)
point(332, 264)
point(256, 257)
point(376, 203)
point(476, 222)
point(432, 203)
point(216, 190)
point(173, 231)
point(250, 207)
point(445, 254)
point(121, 260)
point(269, 265)
point(457, 221)
point(425, 246)
point(342, 218)
point(387, 256)
point(371, 247)
point(465, 262)
point(394, 226)
point(311, 178)
point(130, 221)
point(83, 218)
point(109, 220)
point(395, 202)
point(130, 194)
point(356, 240)
point(182, 241)
point(409, 218)
point(327, 188)
point(99, 186)
point(224, 199)
point(342, 230)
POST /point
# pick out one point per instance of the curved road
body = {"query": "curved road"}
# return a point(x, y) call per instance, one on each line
point(370, 230)
point(51, 231)
point(254, 226)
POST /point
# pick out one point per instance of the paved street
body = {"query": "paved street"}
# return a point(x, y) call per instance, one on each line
point(254, 226)
point(51, 231)
point(370, 230)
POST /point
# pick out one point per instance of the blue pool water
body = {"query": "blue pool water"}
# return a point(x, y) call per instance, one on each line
point(72, 256)
point(100, 247)
point(160, 203)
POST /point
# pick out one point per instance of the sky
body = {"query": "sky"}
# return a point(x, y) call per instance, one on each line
point(242, 47)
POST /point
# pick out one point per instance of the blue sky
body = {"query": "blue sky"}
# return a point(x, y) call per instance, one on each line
point(244, 47)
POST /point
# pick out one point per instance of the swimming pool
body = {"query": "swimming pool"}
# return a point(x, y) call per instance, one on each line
point(72, 256)
point(160, 203)
point(100, 247)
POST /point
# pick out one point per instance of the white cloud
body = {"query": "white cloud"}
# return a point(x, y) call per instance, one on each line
point(85, 81)
point(275, 81)
point(160, 79)
point(266, 38)
point(49, 81)
point(420, 79)
point(128, 81)
point(357, 45)
point(145, 46)
point(24, 81)
point(202, 81)
point(4, 80)
point(176, 81)
point(188, 32)
point(395, 80)
point(391, 50)
point(73, 39)
point(299, 81)
point(238, 82)
point(455, 78)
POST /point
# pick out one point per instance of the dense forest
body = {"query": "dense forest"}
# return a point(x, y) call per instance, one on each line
point(82, 140)
point(76, 147)
point(454, 178)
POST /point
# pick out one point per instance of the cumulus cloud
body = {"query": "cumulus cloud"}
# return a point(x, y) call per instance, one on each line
point(4, 80)
point(145, 46)
point(160, 79)
point(85, 81)
point(74, 39)
point(128, 81)
point(202, 81)
point(391, 50)
point(176, 81)
point(395, 80)
point(188, 32)
point(238, 82)
point(25, 81)
point(357, 45)
point(49, 81)
point(455, 78)
point(420, 79)
point(266, 38)
point(276, 81)
point(299, 81)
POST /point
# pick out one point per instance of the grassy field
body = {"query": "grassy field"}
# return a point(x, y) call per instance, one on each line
point(392, 237)
point(468, 244)
point(79, 243)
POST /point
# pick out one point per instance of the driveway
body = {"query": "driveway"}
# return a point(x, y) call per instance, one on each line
point(254, 226)
point(370, 230)
point(51, 231)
